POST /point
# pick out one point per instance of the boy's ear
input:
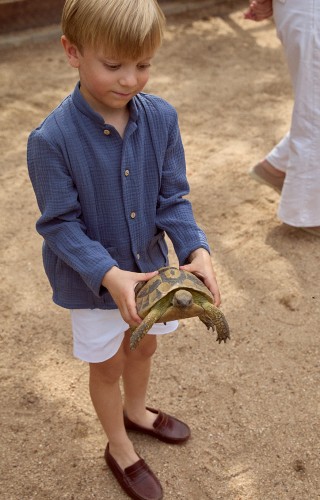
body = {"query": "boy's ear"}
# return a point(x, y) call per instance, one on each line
point(72, 52)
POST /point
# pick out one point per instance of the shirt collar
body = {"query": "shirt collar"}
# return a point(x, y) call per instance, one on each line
point(83, 106)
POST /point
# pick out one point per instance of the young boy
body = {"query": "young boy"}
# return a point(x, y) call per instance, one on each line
point(108, 170)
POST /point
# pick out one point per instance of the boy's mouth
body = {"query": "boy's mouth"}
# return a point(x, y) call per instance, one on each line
point(123, 94)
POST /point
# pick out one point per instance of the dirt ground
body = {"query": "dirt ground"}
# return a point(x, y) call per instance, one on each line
point(253, 404)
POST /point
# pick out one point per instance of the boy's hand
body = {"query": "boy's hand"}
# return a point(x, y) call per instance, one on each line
point(259, 10)
point(201, 266)
point(121, 285)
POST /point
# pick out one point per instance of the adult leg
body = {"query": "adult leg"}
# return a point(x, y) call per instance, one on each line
point(278, 157)
point(297, 26)
point(272, 170)
point(265, 173)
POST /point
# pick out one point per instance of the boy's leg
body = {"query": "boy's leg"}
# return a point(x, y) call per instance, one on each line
point(135, 381)
point(131, 472)
point(107, 400)
point(136, 375)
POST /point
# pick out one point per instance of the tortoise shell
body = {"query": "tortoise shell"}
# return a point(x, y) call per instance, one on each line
point(168, 279)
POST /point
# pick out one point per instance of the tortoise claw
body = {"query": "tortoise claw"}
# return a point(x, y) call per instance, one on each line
point(223, 338)
point(223, 335)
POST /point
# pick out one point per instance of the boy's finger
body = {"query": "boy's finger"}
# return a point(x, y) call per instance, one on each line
point(146, 276)
point(192, 269)
point(133, 315)
point(217, 297)
point(188, 267)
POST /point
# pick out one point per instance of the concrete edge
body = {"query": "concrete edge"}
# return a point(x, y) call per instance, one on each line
point(49, 32)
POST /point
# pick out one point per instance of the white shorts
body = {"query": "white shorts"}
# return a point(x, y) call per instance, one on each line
point(98, 333)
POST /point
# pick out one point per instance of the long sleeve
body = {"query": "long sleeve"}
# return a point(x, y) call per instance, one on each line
point(61, 223)
point(174, 211)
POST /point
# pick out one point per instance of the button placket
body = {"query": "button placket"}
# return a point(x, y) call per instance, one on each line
point(131, 199)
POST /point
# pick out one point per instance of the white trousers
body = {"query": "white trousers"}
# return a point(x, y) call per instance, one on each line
point(298, 153)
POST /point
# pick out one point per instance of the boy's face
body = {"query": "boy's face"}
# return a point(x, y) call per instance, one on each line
point(108, 84)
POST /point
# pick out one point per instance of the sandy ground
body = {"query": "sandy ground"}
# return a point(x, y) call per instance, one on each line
point(253, 404)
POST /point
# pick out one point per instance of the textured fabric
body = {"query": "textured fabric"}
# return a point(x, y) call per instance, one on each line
point(107, 201)
point(298, 27)
point(98, 333)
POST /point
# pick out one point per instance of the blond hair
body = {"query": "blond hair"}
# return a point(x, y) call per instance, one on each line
point(127, 28)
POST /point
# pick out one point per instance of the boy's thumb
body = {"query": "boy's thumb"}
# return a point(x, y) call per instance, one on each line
point(148, 276)
point(142, 277)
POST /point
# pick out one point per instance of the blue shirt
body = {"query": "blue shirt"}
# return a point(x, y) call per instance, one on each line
point(107, 201)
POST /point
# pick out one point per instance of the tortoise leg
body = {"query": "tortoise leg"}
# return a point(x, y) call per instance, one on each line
point(219, 322)
point(138, 332)
point(213, 318)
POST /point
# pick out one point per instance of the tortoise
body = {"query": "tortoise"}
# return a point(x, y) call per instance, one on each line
point(176, 294)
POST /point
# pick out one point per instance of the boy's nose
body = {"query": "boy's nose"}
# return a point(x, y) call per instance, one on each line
point(128, 80)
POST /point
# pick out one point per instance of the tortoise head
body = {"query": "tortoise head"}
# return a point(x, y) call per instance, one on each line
point(182, 299)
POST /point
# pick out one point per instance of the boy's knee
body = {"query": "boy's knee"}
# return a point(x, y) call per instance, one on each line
point(104, 376)
point(148, 348)
point(107, 372)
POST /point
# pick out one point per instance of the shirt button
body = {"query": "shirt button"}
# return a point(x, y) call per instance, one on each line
point(126, 173)
point(138, 256)
point(133, 215)
point(106, 132)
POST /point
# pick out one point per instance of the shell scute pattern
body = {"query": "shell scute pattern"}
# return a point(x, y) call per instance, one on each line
point(146, 288)
point(168, 279)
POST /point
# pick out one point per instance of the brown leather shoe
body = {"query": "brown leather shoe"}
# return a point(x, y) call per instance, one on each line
point(138, 481)
point(166, 428)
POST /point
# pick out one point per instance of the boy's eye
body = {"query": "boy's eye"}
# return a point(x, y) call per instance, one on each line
point(112, 67)
point(144, 66)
